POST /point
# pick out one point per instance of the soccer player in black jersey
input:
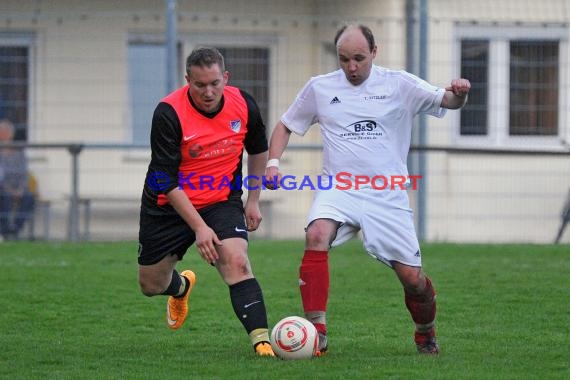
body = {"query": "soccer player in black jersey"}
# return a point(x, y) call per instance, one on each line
point(192, 193)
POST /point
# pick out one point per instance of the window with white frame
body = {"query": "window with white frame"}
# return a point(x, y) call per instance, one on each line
point(517, 85)
point(15, 72)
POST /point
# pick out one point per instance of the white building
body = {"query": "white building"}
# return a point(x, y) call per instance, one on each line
point(91, 72)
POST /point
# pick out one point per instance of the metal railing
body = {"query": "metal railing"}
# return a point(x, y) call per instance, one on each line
point(76, 149)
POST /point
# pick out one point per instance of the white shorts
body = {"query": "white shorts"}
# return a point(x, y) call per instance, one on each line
point(384, 216)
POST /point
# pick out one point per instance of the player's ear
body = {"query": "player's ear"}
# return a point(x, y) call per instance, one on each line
point(374, 51)
point(187, 78)
point(226, 76)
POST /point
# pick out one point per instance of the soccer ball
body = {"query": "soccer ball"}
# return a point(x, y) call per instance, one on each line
point(294, 338)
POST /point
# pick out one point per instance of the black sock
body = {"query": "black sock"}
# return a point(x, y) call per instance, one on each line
point(248, 304)
point(175, 283)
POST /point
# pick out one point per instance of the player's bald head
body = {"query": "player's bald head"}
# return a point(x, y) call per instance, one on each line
point(353, 32)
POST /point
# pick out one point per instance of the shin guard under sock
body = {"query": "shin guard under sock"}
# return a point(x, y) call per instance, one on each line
point(422, 307)
point(314, 286)
point(248, 305)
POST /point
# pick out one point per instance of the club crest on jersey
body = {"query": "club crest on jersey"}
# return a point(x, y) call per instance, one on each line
point(235, 125)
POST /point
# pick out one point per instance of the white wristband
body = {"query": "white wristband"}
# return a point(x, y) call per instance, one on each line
point(273, 162)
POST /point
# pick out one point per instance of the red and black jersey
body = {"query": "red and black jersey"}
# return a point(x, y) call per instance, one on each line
point(198, 152)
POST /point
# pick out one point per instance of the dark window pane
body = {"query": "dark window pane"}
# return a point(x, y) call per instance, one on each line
point(14, 68)
point(534, 88)
point(249, 70)
point(475, 67)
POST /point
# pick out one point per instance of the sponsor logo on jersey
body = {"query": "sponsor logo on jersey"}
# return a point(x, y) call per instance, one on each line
point(362, 130)
point(363, 126)
point(195, 150)
point(335, 100)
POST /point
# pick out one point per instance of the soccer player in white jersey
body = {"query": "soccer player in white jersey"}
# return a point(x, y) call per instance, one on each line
point(365, 115)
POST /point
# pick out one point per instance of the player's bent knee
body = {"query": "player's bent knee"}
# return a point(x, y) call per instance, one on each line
point(147, 291)
point(150, 289)
point(234, 268)
point(411, 278)
point(318, 237)
point(242, 266)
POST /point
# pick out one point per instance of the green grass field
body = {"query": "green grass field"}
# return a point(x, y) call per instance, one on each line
point(74, 311)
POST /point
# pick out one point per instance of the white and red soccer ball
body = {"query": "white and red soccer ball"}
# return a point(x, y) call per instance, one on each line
point(294, 338)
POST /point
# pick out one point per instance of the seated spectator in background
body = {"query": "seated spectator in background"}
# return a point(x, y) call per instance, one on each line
point(16, 200)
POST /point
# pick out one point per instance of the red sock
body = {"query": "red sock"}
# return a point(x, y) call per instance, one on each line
point(314, 281)
point(422, 306)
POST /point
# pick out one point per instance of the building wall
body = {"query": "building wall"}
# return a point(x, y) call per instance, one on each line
point(489, 198)
point(80, 93)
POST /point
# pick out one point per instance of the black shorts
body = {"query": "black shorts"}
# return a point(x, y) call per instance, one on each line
point(161, 235)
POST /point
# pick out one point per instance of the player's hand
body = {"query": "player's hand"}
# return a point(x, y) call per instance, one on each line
point(460, 87)
point(206, 242)
point(272, 178)
point(252, 215)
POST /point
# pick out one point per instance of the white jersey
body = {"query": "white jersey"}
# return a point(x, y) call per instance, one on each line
point(366, 129)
